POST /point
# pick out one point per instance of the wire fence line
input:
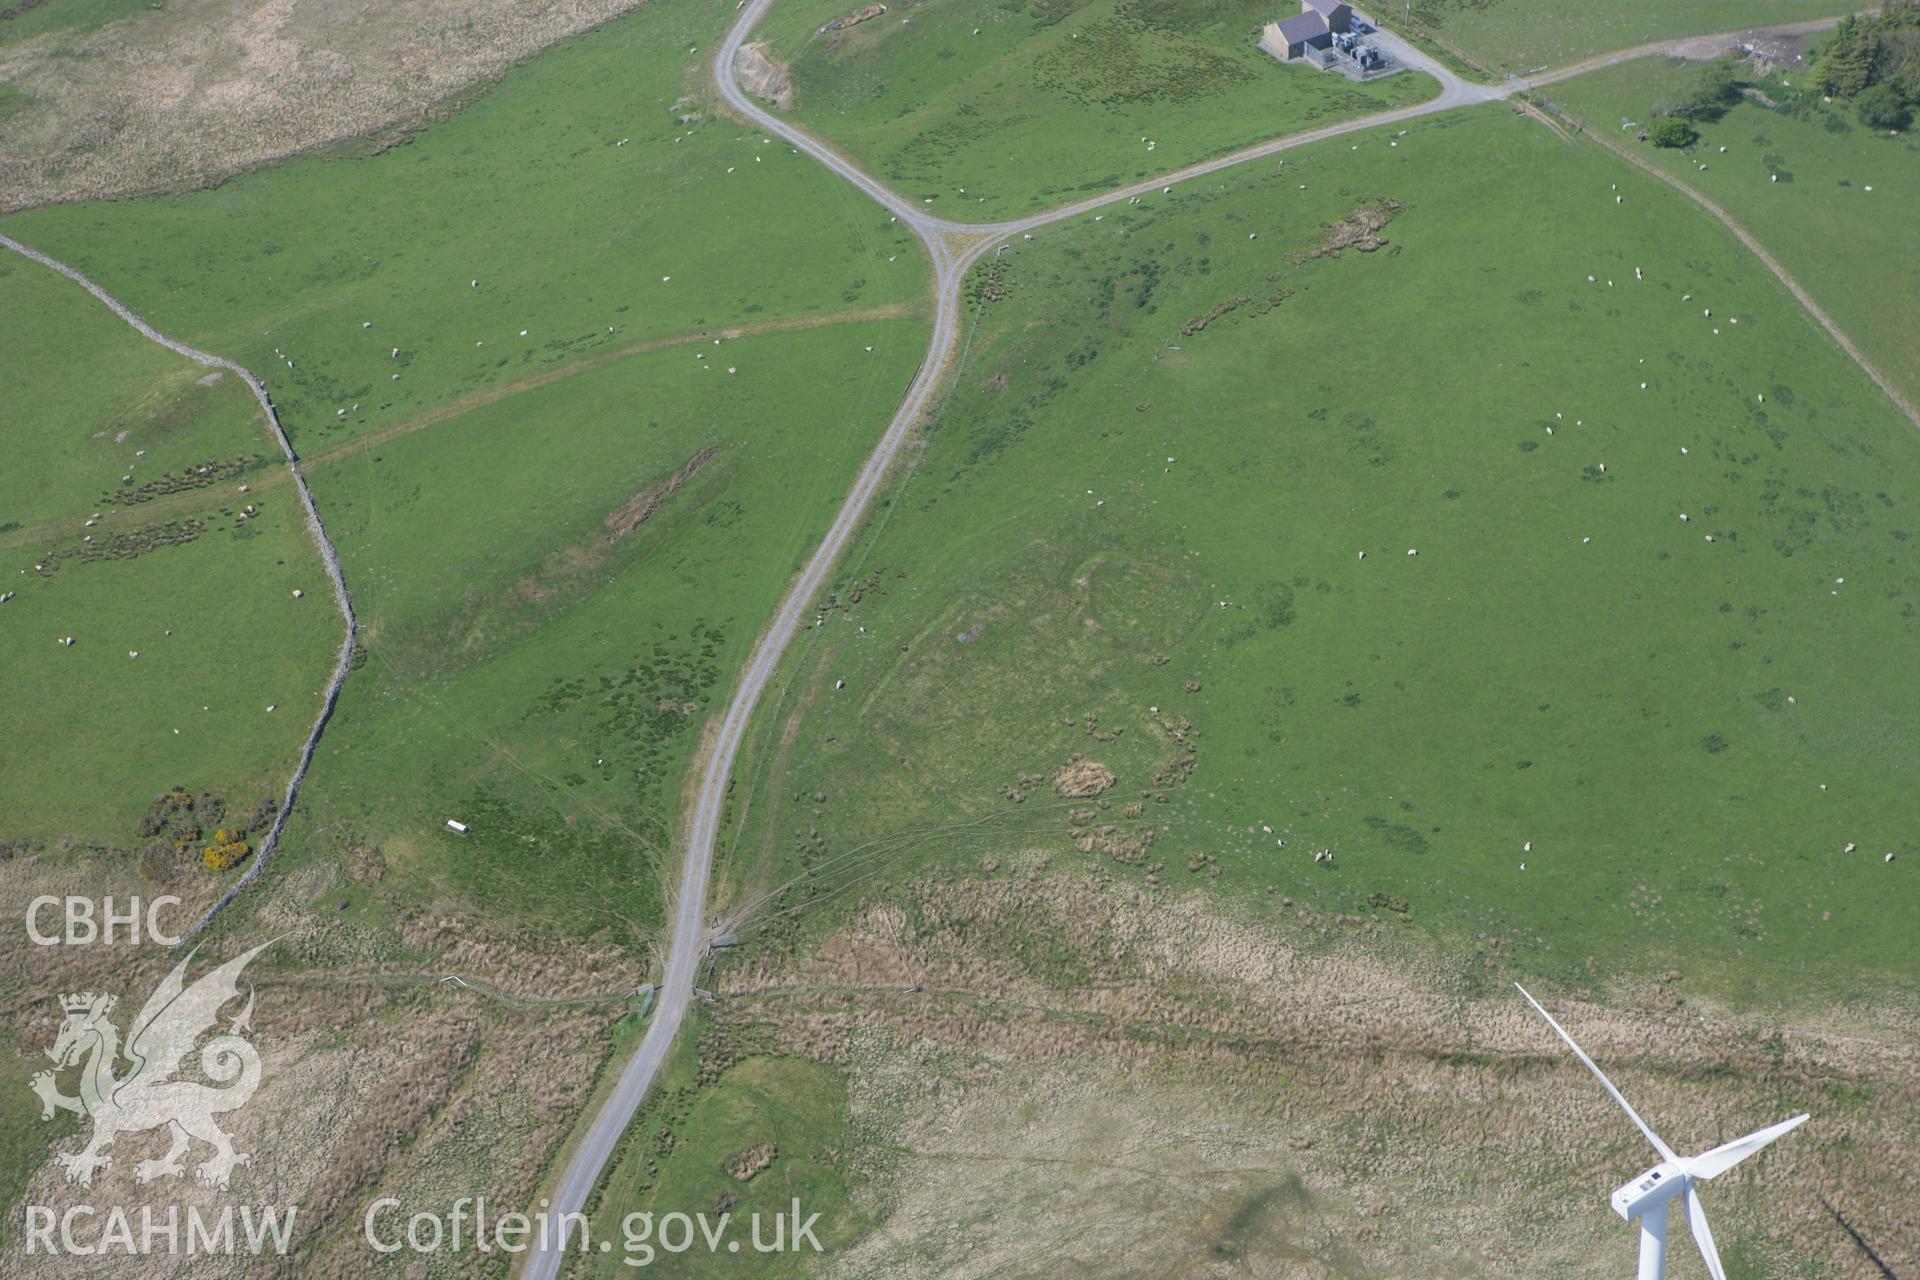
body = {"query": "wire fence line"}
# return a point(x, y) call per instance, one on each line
point(315, 529)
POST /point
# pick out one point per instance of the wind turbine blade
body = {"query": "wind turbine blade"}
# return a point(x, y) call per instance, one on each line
point(1703, 1235)
point(1712, 1164)
point(1666, 1152)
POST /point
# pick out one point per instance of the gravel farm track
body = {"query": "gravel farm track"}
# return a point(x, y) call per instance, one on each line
point(953, 249)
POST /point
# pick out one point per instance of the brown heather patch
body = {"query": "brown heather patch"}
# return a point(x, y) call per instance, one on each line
point(377, 1078)
point(1080, 778)
point(188, 93)
point(1131, 1083)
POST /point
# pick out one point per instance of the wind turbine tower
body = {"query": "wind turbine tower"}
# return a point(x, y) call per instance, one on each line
point(1647, 1198)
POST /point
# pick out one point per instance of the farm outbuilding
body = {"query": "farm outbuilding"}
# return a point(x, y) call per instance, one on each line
point(1337, 14)
point(1291, 38)
point(1330, 36)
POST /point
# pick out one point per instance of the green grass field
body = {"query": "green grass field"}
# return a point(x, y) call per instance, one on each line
point(1138, 531)
point(991, 109)
point(537, 673)
point(61, 17)
point(203, 597)
point(1520, 35)
point(715, 1103)
point(1836, 215)
point(570, 235)
point(525, 665)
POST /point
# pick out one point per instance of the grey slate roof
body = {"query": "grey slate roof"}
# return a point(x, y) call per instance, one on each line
point(1302, 27)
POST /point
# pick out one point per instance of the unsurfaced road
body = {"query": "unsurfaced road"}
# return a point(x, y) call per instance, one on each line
point(953, 248)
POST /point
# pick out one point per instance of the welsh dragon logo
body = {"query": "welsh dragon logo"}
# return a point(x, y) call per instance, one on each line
point(149, 1095)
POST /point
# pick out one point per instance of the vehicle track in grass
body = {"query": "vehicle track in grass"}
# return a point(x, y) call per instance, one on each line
point(1753, 245)
point(952, 248)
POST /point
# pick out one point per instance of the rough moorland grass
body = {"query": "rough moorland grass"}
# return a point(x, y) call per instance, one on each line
point(541, 677)
point(1138, 533)
point(1049, 100)
point(205, 600)
point(528, 191)
point(1839, 215)
point(1518, 35)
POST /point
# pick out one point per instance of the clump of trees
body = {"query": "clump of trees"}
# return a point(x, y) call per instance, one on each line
point(1873, 62)
point(1672, 131)
point(1715, 89)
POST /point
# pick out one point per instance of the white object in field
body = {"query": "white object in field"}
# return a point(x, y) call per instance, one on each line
point(456, 826)
point(1648, 1197)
